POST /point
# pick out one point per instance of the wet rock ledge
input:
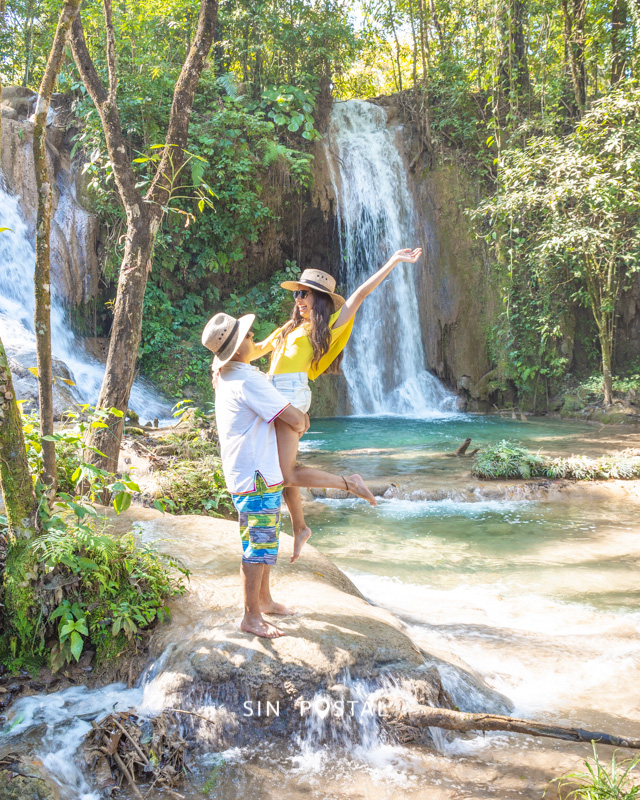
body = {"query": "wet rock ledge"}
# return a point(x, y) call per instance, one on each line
point(202, 654)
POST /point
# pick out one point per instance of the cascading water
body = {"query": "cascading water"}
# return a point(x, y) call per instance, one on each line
point(17, 263)
point(385, 364)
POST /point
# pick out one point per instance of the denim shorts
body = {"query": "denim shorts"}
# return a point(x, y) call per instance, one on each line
point(295, 387)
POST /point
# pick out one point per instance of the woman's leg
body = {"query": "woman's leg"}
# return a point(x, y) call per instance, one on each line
point(288, 441)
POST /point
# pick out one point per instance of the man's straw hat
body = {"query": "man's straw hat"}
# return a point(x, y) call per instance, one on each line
point(318, 280)
point(224, 334)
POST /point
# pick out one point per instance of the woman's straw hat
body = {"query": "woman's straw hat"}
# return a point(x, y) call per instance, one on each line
point(318, 280)
point(224, 334)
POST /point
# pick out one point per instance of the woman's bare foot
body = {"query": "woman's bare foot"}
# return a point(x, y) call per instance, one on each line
point(299, 540)
point(277, 608)
point(260, 627)
point(358, 487)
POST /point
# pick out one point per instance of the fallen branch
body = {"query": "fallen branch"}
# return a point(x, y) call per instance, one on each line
point(463, 447)
point(395, 710)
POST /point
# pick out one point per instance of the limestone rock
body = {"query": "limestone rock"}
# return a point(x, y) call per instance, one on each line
point(333, 632)
point(26, 779)
point(74, 231)
point(26, 384)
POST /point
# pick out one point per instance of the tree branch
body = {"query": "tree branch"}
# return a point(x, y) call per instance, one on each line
point(111, 51)
point(178, 131)
point(110, 117)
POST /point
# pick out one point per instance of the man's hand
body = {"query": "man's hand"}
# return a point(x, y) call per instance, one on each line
point(295, 419)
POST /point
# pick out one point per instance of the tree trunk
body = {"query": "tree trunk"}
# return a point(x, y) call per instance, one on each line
point(606, 347)
point(618, 44)
point(574, 36)
point(42, 276)
point(518, 46)
point(144, 215)
point(15, 478)
point(125, 339)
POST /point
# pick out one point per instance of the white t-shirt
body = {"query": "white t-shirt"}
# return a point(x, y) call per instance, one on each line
point(246, 405)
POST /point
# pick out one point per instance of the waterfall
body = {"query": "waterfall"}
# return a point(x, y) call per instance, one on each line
point(17, 302)
point(385, 364)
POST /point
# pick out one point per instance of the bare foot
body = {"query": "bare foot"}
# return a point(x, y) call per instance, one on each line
point(299, 540)
point(260, 627)
point(276, 608)
point(358, 487)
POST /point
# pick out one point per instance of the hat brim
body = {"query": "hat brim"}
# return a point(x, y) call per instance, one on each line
point(244, 326)
point(338, 300)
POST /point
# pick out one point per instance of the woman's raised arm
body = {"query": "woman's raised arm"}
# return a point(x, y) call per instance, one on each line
point(364, 290)
point(261, 348)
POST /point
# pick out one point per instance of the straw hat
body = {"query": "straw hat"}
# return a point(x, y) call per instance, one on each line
point(318, 280)
point(224, 334)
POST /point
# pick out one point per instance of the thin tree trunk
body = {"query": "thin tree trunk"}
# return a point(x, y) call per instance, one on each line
point(519, 47)
point(28, 43)
point(15, 478)
point(606, 345)
point(438, 26)
point(42, 276)
point(415, 44)
point(395, 36)
point(618, 44)
point(574, 37)
point(144, 215)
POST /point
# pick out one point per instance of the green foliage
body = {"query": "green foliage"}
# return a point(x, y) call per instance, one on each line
point(290, 107)
point(171, 351)
point(120, 585)
point(508, 459)
point(73, 577)
point(618, 780)
point(564, 225)
point(590, 389)
point(197, 487)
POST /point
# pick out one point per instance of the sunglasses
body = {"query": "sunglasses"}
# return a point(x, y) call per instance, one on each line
point(300, 293)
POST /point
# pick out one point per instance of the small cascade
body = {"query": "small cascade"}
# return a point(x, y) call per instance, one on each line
point(17, 264)
point(385, 364)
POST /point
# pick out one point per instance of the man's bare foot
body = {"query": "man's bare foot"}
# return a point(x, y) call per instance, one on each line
point(358, 487)
point(276, 608)
point(299, 540)
point(260, 627)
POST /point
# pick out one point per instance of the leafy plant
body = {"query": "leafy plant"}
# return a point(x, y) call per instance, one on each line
point(508, 459)
point(197, 487)
point(618, 780)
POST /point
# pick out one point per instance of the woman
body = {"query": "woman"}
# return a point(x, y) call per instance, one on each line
point(312, 342)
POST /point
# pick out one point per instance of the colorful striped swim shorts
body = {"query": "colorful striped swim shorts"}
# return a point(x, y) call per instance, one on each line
point(259, 521)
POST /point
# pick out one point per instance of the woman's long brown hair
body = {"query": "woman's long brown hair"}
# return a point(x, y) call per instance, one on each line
point(319, 333)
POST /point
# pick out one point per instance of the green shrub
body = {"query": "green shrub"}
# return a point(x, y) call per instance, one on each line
point(111, 586)
point(508, 459)
point(74, 582)
point(197, 487)
point(591, 389)
point(615, 781)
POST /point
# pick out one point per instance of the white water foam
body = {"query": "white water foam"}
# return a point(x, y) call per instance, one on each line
point(17, 303)
point(385, 364)
point(343, 739)
point(64, 718)
point(516, 641)
point(394, 508)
